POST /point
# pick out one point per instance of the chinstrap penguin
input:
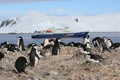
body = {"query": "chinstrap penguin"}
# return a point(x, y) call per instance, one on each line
point(100, 43)
point(56, 47)
point(21, 43)
point(94, 58)
point(34, 56)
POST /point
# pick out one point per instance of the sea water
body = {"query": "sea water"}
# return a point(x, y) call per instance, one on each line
point(12, 38)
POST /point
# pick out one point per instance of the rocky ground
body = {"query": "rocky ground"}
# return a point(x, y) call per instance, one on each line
point(69, 65)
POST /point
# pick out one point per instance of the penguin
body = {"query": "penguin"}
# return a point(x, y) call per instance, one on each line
point(4, 44)
point(81, 50)
point(95, 44)
point(86, 47)
point(56, 47)
point(9, 47)
point(100, 43)
point(34, 56)
point(1, 55)
point(12, 48)
point(46, 42)
point(115, 45)
point(21, 64)
point(86, 43)
point(94, 58)
point(21, 43)
point(109, 43)
point(47, 50)
point(86, 39)
point(47, 47)
point(74, 44)
point(70, 44)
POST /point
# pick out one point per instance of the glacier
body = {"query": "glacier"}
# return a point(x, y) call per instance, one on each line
point(34, 20)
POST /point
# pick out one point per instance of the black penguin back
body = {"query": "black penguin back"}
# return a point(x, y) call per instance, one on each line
point(96, 57)
point(21, 43)
point(1, 55)
point(32, 57)
point(56, 47)
point(20, 64)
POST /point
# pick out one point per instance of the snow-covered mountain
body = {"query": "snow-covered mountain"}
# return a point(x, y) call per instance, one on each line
point(32, 21)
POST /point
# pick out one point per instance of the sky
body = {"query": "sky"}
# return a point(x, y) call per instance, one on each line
point(10, 8)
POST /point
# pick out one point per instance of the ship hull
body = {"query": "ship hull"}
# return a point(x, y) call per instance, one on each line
point(61, 35)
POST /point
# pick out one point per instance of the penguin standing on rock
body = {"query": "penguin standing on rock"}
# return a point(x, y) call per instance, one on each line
point(108, 42)
point(21, 43)
point(86, 43)
point(86, 39)
point(56, 47)
point(21, 64)
point(100, 42)
point(34, 56)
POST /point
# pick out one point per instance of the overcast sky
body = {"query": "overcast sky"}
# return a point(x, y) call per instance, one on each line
point(10, 8)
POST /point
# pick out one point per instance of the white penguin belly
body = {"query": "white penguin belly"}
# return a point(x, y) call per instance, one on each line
point(36, 61)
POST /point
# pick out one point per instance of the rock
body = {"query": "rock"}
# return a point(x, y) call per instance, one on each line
point(69, 65)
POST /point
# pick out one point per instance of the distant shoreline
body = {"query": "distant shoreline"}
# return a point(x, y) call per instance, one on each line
point(81, 31)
